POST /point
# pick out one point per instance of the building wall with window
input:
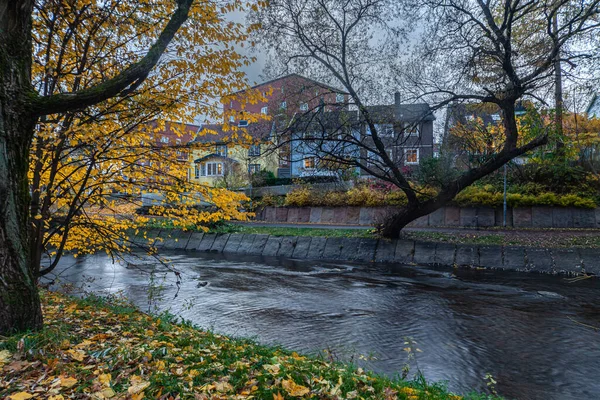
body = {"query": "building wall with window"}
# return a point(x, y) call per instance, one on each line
point(214, 155)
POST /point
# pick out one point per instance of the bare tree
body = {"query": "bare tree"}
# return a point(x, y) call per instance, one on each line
point(470, 51)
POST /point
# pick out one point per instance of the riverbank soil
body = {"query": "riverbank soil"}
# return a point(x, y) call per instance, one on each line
point(92, 348)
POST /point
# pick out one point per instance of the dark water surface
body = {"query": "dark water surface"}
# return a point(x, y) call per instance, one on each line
point(534, 334)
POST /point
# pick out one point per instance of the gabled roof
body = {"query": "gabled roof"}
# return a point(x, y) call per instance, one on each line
point(214, 133)
point(402, 112)
point(297, 76)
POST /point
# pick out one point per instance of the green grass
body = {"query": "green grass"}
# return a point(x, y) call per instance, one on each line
point(107, 347)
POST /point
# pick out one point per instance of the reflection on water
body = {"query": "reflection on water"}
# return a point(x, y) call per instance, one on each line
point(530, 332)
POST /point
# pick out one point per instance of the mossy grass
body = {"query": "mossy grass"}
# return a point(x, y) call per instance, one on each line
point(105, 348)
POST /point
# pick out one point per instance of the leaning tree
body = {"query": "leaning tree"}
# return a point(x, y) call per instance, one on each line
point(499, 52)
point(60, 92)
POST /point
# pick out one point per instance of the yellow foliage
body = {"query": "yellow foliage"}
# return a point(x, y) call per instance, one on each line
point(81, 160)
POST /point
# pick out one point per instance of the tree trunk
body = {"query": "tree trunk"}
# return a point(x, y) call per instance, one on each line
point(393, 224)
point(19, 299)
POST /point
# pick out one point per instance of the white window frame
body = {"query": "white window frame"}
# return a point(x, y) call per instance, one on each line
point(253, 168)
point(340, 98)
point(496, 117)
point(311, 160)
point(243, 122)
point(221, 150)
point(406, 162)
point(386, 130)
point(264, 110)
point(283, 105)
point(164, 139)
point(254, 150)
point(196, 171)
point(303, 106)
point(412, 129)
point(231, 118)
point(211, 169)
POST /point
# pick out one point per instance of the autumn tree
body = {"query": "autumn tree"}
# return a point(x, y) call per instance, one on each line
point(76, 86)
point(469, 52)
point(89, 167)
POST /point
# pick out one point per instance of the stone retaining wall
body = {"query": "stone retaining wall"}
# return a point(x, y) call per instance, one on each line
point(552, 261)
point(522, 217)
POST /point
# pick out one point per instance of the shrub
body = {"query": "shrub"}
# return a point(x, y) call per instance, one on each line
point(334, 199)
point(396, 198)
point(300, 197)
point(363, 196)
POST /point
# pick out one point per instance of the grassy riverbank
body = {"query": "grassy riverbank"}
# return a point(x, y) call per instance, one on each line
point(92, 348)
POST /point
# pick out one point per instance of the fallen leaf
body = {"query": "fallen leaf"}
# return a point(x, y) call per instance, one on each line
point(4, 356)
point(77, 355)
point(104, 379)
point(67, 382)
point(223, 387)
point(277, 396)
point(57, 397)
point(138, 387)
point(293, 388)
point(20, 396)
point(272, 368)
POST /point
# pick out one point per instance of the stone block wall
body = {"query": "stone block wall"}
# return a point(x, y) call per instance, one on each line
point(552, 261)
point(468, 217)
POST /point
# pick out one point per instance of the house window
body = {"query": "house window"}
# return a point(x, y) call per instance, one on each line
point(339, 98)
point(231, 118)
point(495, 117)
point(243, 122)
point(209, 169)
point(214, 169)
point(283, 105)
point(178, 141)
point(221, 150)
point(411, 128)
point(197, 171)
point(231, 103)
point(309, 163)
point(385, 129)
point(254, 150)
point(264, 110)
point(284, 157)
point(254, 168)
point(411, 156)
point(303, 106)
point(164, 139)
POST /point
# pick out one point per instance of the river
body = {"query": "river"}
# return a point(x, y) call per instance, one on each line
point(533, 334)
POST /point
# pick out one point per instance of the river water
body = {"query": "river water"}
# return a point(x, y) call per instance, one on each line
point(533, 334)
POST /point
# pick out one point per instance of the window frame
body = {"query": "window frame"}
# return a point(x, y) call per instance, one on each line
point(254, 150)
point(410, 149)
point(312, 160)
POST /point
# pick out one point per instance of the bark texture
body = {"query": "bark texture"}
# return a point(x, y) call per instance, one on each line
point(20, 307)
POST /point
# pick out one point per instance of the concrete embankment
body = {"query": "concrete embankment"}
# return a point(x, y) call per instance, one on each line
point(528, 259)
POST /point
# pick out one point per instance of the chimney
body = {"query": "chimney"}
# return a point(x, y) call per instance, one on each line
point(397, 99)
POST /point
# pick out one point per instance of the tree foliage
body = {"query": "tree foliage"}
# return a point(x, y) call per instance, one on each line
point(90, 166)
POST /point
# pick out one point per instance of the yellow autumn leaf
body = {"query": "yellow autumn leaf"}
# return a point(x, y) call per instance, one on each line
point(223, 387)
point(57, 397)
point(293, 388)
point(104, 379)
point(138, 387)
point(277, 396)
point(20, 396)
point(77, 355)
point(67, 382)
point(272, 368)
point(4, 356)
